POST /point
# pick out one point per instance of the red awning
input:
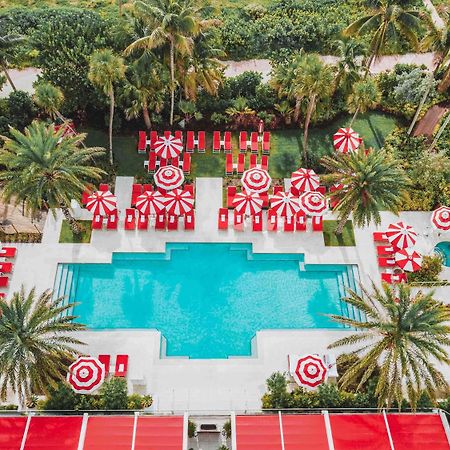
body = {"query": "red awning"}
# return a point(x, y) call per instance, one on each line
point(11, 432)
point(258, 433)
point(159, 433)
point(109, 432)
point(308, 434)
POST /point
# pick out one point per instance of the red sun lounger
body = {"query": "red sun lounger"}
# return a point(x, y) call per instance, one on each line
point(176, 161)
point(103, 187)
point(121, 366)
point(243, 141)
point(257, 222)
point(167, 134)
point(160, 221)
point(106, 361)
point(190, 142)
point(231, 193)
point(253, 160)
point(241, 163)
point(187, 163)
point(266, 142)
point(392, 278)
point(6, 267)
point(272, 220)
point(238, 221)
point(172, 222)
point(385, 250)
point(142, 222)
point(189, 221)
point(142, 143)
point(300, 221)
point(153, 139)
point(8, 252)
point(97, 222)
point(147, 188)
point(317, 223)
point(152, 162)
point(265, 162)
point(229, 164)
point(136, 191)
point(4, 281)
point(130, 219)
point(85, 196)
point(179, 135)
point(223, 219)
point(386, 262)
point(216, 142)
point(289, 224)
point(277, 189)
point(201, 145)
point(265, 198)
point(190, 188)
point(379, 236)
point(227, 141)
point(111, 223)
point(254, 142)
point(162, 162)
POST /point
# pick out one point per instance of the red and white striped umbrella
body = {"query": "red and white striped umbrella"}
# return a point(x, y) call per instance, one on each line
point(305, 180)
point(408, 260)
point(313, 203)
point(401, 235)
point(248, 203)
point(86, 374)
point(285, 204)
point(256, 180)
point(150, 202)
point(169, 177)
point(179, 202)
point(168, 147)
point(346, 140)
point(440, 218)
point(102, 203)
point(310, 371)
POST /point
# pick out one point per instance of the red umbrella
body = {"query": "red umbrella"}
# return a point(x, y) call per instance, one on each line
point(408, 260)
point(313, 203)
point(401, 235)
point(150, 202)
point(179, 202)
point(248, 203)
point(346, 140)
point(86, 374)
point(169, 177)
point(256, 180)
point(440, 218)
point(102, 203)
point(310, 371)
point(305, 180)
point(168, 147)
point(284, 204)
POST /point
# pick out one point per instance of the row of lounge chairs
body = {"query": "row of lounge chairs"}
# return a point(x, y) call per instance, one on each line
point(6, 267)
point(239, 167)
point(120, 368)
point(163, 221)
point(290, 224)
point(155, 162)
point(386, 259)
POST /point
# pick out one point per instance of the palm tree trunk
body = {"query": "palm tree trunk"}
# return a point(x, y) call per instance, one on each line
point(10, 81)
point(369, 64)
point(146, 116)
point(341, 224)
point(445, 83)
point(111, 119)
point(439, 133)
point(354, 117)
point(309, 111)
point(419, 108)
point(74, 225)
point(298, 103)
point(172, 79)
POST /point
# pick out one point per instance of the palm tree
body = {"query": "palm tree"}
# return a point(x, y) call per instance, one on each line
point(49, 98)
point(401, 334)
point(373, 182)
point(173, 23)
point(105, 69)
point(365, 95)
point(35, 342)
point(440, 131)
point(348, 68)
point(240, 111)
point(42, 169)
point(7, 43)
point(385, 23)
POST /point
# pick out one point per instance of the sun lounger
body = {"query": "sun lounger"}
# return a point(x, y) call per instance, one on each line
point(160, 221)
point(265, 162)
point(153, 139)
point(121, 366)
point(294, 191)
point(190, 188)
point(152, 162)
point(6, 267)
point(187, 163)
point(272, 220)
point(257, 222)
point(231, 193)
point(254, 142)
point(216, 142)
point(172, 222)
point(179, 135)
point(4, 282)
point(111, 223)
point(223, 219)
point(167, 134)
point(106, 361)
point(238, 221)
point(176, 161)
point(142, 222)
point(227, 142)
point(130, 219)
point(243, 141)
point(317, 223)
point(322, 190)
point(142, 142)
point(8, 252)
point(229, 164)
point(97, 222)
point(136, 191)
point(391, 278)
point(386, 262)
point(277, 189)
point(201, 144)
point(162, 162)
point(266, 143)
point(241, 163)
point(253, 160)
point(189, 221)
point(147, 188)
point(103, 187)
point(265, 199)
point(385, 250)
point(289, 224)
point(379, 236)
point(190, 142)
point(300, 221)
point(85, 196)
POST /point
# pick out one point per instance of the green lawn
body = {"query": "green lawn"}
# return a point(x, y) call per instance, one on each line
point(67, 237)
point(331, 239)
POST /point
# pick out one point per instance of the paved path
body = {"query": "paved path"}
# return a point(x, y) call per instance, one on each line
point(23, 80)
point(429, 121)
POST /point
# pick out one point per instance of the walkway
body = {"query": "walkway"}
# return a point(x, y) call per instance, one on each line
point(428, 123)
point(23, 80)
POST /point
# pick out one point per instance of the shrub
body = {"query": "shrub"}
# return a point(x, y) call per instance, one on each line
point(136, 401)
point(21, 109)
point(430, 270)
point(114, 393)
point(192, 428)
point(226, 431)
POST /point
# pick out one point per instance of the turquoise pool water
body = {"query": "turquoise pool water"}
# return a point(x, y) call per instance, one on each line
point(443, 248)
point(207, 300)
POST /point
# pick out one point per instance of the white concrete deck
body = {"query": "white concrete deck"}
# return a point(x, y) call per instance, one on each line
point(214, 385)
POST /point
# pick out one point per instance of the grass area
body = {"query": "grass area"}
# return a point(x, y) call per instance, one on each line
point(67, 236)
point(331, 239)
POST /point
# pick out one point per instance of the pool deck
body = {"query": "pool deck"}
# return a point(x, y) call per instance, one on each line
point(205, 385)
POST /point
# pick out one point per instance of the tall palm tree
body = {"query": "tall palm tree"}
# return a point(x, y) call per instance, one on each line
point(348, 67)
point(42, 169)
point(172, 23)
point(106, 69)
point(403, 334)
point(373, 182)
point(365, 95)
point(387, 20)
point(49, 98)
point(7, 43)
point(35, 342)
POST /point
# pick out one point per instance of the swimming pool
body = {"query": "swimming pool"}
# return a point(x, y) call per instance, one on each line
point(443, 249)
point(207, 300)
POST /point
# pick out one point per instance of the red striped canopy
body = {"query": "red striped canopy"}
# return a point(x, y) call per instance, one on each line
point(440, 218)
point(305, 180)
point(256, 180)
point(86, 374)
point(284, 204)
point(168, 147)
point(179, 202)
point(313, 203)
point(401, 235)
point(169, 177)
point(408, 260)
point(103, 203)
point(150, 202)
point(346, 140)
point(248, 203)
point(310, 371)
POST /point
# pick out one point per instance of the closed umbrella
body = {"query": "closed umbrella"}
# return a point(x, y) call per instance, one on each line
point(401, 235)
point(284, 204)
point(440, 218)
point(408, 260)
point(346, 140)
point(168, 147)
point(86, 375)
point(102, 203)
point(248, 203)
point(150, 202)
point(179, 202)
point(305, 180)
point(169, 177)
point(313, 203)
point(256, 180)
